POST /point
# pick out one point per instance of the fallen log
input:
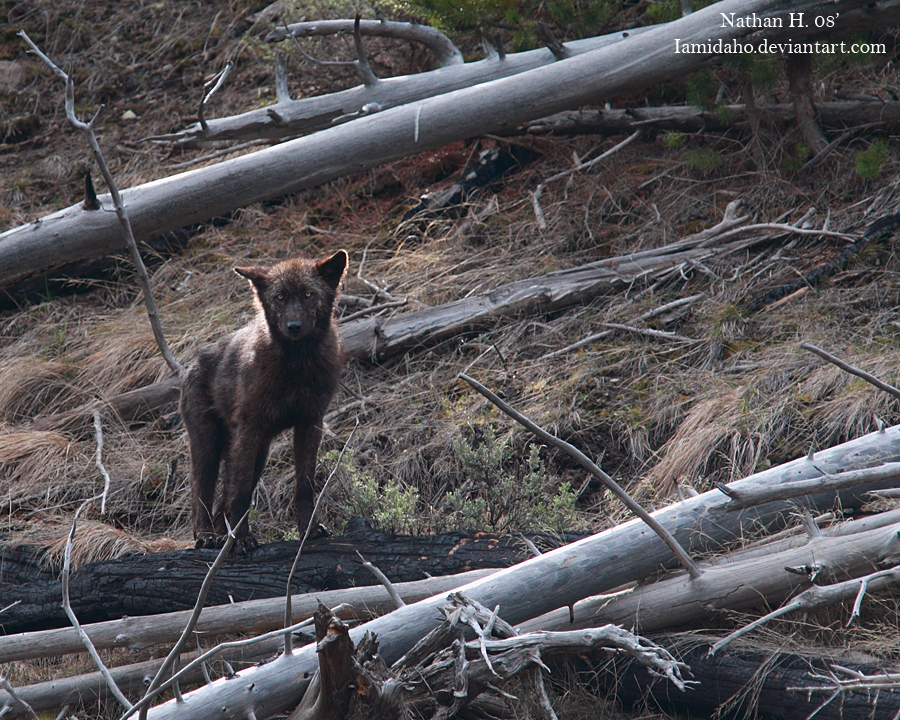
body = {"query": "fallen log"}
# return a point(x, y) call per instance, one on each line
point(558, 578)
point(747, 681)
point(839, 115)
point(166, 204)
point(734, 583)
point(378, 338)
point(291, 118)
point(249, 616)
point(132, 681)
point(166, 582)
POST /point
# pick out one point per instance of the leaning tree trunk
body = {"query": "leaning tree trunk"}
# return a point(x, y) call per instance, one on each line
point(556, 579)
point(624, 67)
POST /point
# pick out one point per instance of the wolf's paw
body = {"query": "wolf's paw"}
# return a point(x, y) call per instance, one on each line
point(245, 544)
point(209, 540)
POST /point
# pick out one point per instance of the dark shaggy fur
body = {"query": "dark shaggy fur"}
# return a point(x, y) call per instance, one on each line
point(278, 372)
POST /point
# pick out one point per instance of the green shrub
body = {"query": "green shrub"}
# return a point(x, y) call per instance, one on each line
point(390, 507)
point(870, 163)
point(701, 159)
point(459, 18)
point(502, 492)
point(796, 160)
point(672, 139)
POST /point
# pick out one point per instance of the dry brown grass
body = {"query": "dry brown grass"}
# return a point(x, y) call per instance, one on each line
point(93, 541)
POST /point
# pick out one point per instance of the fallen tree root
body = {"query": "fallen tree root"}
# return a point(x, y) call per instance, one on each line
point(444, 672)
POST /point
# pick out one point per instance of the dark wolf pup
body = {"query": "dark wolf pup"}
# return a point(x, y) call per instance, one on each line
point(278, 372)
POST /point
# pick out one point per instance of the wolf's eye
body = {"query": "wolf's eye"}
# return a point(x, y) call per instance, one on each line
point(279, 296)
point(307, 294)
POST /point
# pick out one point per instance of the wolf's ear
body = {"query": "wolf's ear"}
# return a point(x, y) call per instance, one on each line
point(332, 269)
point(255, 275)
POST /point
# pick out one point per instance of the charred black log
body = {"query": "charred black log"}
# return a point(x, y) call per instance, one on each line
point(741, 681)
point(167, 582)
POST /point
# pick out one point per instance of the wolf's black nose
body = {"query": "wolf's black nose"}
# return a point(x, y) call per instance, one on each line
point(294, 326)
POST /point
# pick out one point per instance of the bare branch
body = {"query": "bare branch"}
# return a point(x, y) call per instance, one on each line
point(383, 579)
point(819, 596)
point(282, 93)
point(11, 691)
point(374, 309)
point(536, 193)
point(362, 62)
point(98, 461)
point(650, 332)
point(288, 640)
point(589, 464)
point(195, 615)
point(606, 333)
point(443, 48)
point(121, 212)
point(216, 82)
point(839, 481)
point(851, 369)
point(67, 607)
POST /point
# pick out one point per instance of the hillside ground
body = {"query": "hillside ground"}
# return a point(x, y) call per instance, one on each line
point(429, 454)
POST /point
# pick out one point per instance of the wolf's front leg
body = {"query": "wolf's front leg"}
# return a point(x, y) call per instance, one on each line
point(306, 447)
point(243, 467)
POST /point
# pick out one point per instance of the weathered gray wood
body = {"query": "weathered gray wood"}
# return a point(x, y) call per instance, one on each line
point(734, 585)
point(51, 695)
point(558, 578)
point(439, 44)
point(833, 115)
point(372, 338)
point(250, 616)
point(307, 115)
point(627, 66)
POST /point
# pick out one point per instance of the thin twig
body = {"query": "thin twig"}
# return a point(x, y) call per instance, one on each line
point(11, 691)
point(216, 83)
point(212, 653)
point(121, 212)
point(530, 545)
point(589, 465)
point(606, 333)
point(536, 193)
point(852, 370)
point(98, 461)
point(664, 334)
point(67, 607)
point(288, 613)
point(781, 227)
point(362, 62)
point(374, 309)
point(195, 615)
point(383, 579)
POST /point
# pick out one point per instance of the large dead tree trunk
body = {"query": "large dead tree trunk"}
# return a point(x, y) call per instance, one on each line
point(292, 118)
point(166, 204)
point(167, 582)
point(737, 582)
point(753, 682)
point(249, 616)
point(558, 578)
point(837, 115)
